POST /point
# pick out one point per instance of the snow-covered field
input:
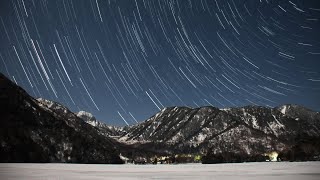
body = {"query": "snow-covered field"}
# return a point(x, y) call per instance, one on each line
point(265, 170)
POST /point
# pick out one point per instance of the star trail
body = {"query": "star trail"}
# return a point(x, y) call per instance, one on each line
point(124, 60)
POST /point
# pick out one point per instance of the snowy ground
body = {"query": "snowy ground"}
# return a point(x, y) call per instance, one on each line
point(265, 170)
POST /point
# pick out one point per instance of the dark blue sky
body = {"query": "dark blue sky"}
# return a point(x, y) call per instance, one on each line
point(123, 60)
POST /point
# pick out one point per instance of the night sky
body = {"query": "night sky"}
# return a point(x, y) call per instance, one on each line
point(124, 60)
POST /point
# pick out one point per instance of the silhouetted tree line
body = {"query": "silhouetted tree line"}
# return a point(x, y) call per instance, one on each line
point(305, 148)
point(230, 157)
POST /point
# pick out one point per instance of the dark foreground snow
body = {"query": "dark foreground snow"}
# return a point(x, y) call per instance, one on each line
point(265, 170)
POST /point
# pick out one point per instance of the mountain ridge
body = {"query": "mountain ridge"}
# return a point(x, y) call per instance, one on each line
point(33, 131)
point(194, 130)
point(40, 130)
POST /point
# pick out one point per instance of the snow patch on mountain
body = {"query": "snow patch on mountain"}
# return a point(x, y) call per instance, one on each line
point(283, 109)
point(88, 118)
point(51, 104)
point(201, 137)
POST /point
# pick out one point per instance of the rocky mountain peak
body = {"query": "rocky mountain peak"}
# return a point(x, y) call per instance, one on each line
point(88, 118)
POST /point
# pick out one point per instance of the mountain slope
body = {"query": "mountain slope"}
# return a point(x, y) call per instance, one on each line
point(41, 131)
point(247, 130)
point(46, 131)
point(103, 128)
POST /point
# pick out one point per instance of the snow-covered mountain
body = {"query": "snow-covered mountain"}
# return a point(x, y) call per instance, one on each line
point(250, 130)
point(40, 130)
point(44, 131)
point(88, 118)
point(106, 130)
point(246, 130)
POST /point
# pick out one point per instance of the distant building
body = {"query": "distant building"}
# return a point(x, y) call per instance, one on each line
point(273, 156)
